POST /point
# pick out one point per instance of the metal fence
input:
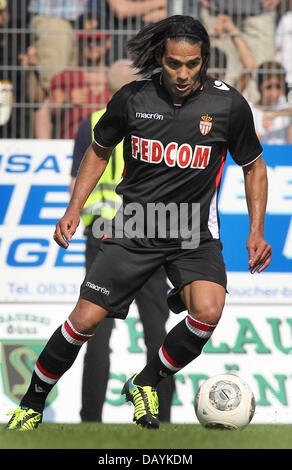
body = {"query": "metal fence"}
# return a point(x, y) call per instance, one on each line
point(53, 68)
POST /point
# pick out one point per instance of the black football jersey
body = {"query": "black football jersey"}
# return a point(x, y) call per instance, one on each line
point(176, 153)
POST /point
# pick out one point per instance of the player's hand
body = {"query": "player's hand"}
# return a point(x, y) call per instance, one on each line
point(65, 229)
point(259, 252)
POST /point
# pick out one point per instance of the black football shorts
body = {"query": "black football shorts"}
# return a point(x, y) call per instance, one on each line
point(120, 269)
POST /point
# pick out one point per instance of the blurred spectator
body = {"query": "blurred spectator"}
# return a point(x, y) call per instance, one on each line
point(217, 63)
point(76, 93)
point(255, 21)
point(53, 23)
point(148, 10)
point(14, 120)
point(6, 86)
point(6, 101)
point(125, 17)
point(272, 114)
point(3, 13)
point(283, 41)
point(224, 27)
point(35, 94)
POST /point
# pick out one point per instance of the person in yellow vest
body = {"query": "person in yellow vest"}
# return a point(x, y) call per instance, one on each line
point(151, 302)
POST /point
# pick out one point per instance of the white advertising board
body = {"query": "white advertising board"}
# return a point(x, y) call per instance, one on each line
point(39, 285)
point(251, 341)
point(35, 177)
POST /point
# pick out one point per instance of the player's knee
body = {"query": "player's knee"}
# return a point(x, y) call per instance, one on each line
point(209, 313)
point(86, 316)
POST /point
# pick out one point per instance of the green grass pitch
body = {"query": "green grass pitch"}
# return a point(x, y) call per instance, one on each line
point(130, 436)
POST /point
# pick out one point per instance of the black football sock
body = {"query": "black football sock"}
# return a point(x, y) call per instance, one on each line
point(56, 358)
point(181, 346)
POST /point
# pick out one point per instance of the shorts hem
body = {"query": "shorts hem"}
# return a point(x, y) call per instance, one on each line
point(111, 313)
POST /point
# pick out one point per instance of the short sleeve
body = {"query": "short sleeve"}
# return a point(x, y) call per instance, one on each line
point(243, 143)
point(112, 126)
point(82, 142)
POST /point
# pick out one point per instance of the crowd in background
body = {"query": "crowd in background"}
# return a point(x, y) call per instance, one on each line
point(55, 55)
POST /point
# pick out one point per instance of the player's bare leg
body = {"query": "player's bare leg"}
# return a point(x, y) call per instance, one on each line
point(86, 316)
point(204, 301)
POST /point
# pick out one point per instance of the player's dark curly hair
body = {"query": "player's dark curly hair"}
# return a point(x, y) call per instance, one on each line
point(151, 40)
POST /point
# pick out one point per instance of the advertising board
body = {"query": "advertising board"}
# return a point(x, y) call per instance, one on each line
point(39, 285)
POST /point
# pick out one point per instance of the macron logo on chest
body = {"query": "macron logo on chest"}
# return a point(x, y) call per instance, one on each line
point(183, 156)
point(150, 116)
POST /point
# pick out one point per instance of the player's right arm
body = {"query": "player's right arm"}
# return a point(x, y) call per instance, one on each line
point(109, 131)
point(91, 169)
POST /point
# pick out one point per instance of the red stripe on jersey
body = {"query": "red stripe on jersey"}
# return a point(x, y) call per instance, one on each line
point(219, 174)
point(200, 326)
point(78, 337)
point(47, 374)
point(168, 358)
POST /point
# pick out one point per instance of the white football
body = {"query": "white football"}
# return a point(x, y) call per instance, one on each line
point(225, 401)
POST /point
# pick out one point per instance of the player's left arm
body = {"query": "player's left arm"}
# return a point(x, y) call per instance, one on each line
point(256, 190)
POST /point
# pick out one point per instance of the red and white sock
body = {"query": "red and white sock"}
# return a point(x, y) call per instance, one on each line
point(200, 329)
point(56, 358)
point(181, 346)
point(43, 367)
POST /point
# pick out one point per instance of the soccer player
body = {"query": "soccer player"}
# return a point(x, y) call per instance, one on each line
point(150, 300)
point(177, 125)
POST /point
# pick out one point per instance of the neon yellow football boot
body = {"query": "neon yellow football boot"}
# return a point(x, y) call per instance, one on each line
point(24, 419)
point(145, 401)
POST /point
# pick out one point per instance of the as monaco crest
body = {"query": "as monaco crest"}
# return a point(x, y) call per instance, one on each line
point(205, 124)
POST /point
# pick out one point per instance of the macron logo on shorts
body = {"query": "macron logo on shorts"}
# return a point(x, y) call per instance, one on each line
point(100, 289)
